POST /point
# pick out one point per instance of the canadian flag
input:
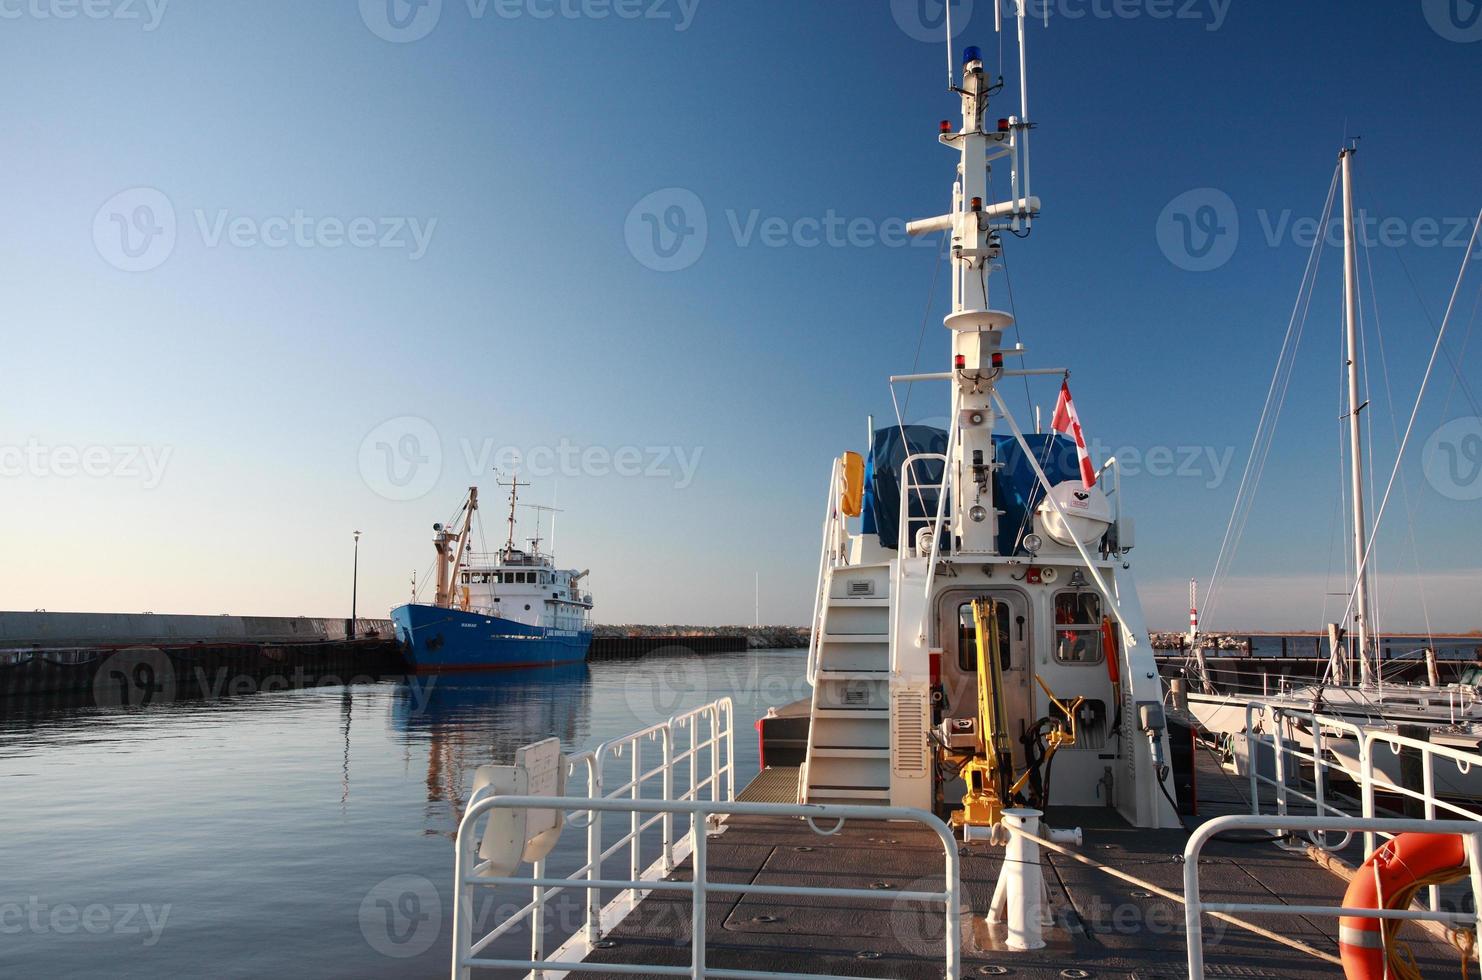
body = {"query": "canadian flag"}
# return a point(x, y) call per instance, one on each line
point(1067, 421)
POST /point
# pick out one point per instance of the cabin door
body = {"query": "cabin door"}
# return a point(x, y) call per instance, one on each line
point(957, 636)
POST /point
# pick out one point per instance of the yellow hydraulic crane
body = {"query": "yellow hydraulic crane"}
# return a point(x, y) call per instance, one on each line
point(989, 772)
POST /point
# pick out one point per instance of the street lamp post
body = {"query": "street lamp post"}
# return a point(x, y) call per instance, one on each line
point(355, 585)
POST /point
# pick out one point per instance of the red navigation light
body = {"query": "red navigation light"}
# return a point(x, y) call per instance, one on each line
point(961, 361)
point(946, 127)
point(998, 359)
point(977, 204)
point(1003, 125)
point(1031, 575)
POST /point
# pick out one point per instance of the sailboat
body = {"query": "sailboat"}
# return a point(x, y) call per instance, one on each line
point(1353, 689)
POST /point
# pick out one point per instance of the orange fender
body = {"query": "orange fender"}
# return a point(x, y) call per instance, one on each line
point(1390, 871)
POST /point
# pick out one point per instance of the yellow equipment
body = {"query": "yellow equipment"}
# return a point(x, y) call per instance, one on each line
point(990, 769)
point(992, 763)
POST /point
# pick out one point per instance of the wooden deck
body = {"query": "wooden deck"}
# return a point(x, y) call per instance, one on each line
point(1102, 927)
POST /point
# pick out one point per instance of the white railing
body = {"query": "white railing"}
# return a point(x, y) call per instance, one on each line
point(697, 746)
point(828, 557)
point(905, 540)
point(1195, 908)
point(702, 815)
point(1289, 756)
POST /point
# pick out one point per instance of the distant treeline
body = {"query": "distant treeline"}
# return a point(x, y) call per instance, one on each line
point(757, 637)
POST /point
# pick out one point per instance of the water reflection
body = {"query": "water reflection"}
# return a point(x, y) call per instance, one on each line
point(469, 720)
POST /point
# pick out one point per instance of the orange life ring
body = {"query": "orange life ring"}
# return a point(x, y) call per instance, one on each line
point(1387, 880)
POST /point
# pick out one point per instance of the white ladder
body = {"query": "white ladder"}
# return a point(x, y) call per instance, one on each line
point(849, 728)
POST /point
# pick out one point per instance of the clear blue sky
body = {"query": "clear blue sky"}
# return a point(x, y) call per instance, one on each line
point(253, 361)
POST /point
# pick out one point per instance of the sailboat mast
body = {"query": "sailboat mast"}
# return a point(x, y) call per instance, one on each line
point(1355, 435)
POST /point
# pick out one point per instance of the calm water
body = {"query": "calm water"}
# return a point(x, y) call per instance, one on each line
point(298, 832)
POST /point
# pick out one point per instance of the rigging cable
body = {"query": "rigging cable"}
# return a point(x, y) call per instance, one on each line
point(1420, 396)
point(1395, 432)
point(1275, 394)
point(936, 272)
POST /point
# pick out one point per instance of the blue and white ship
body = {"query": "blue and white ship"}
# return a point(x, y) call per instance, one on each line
point(511, 608)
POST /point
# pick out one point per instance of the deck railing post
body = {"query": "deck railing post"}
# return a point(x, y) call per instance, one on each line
point(697, 910)
point(537, 919)
point(637, 819)
point(730, 749)
point(668, 795)
point(594, 855)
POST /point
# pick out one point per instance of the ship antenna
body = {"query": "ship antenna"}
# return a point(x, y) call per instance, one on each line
point(514, 489)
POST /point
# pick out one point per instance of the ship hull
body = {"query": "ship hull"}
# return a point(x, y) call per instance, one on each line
point(436, 640)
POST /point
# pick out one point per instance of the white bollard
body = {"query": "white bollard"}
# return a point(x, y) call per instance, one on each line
point(1024, 890)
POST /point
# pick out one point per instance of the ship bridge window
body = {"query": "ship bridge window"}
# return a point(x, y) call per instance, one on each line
point(465, 578)
point(967, 637)
point(1078, 628)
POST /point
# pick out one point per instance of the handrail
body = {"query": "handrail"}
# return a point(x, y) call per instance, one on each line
point(1195, 907)
point(820, 602)
point(904, 543)
point(711, 731)
point(1325, 761)
point(701, 814)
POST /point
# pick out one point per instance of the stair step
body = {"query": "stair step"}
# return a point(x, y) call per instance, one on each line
point(862, 794)
point(858, 602)
point(854, 674)
point(856, 637)
point(850, 752)
point(881, 714)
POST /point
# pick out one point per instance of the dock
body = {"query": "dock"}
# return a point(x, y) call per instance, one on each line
point(1102, 926)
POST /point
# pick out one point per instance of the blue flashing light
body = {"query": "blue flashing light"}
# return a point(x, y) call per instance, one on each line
point(972, 54)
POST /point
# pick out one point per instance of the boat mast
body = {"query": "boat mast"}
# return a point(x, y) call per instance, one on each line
point(1355, 434)
point(514, 489)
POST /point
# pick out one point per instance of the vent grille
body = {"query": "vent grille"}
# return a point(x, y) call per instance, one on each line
point(908, 756)
point(856, 696)
point(861, 587)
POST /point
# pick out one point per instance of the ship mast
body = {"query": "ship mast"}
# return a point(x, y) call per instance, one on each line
point(975, 224)
point(1355, 435)
point(514, 489)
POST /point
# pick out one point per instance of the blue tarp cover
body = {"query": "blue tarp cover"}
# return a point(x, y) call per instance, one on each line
point(1016, 490)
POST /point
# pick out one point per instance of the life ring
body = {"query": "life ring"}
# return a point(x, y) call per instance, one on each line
point(1388, 880)
point(1109, 648)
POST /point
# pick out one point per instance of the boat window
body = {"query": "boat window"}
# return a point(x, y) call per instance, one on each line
point(465, 578)
point(967, 637)
point(1078, 628)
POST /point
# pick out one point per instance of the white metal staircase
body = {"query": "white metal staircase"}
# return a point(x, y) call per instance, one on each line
point(849, 730)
